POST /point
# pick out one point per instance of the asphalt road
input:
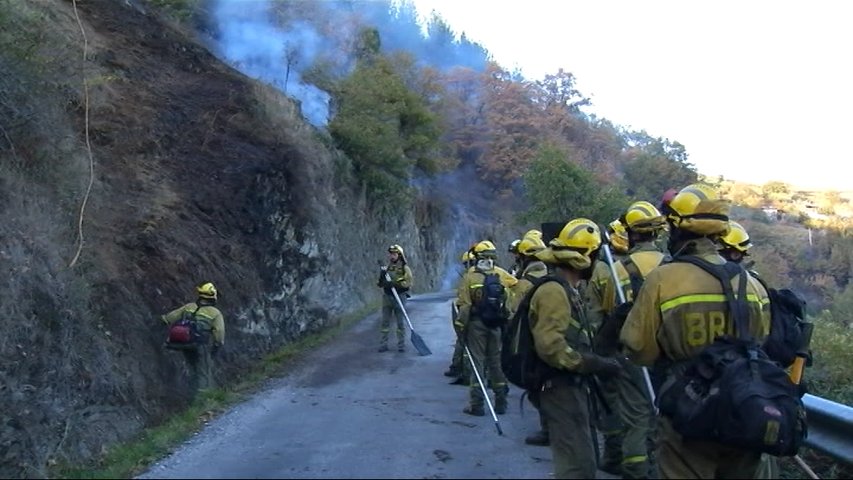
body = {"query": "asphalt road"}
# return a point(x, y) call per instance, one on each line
point(348, 411)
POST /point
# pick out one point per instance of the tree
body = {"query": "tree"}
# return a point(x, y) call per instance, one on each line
point(771, 188)
point(655, 165)
point(558, 190)
point(385, 129)
point(512, 125)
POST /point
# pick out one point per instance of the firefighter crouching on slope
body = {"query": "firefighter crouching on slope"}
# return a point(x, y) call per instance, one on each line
point(459, 364)
point(608, 424)
point(483, 342)
point(211, 326)
point(734, 247)
point(643, 223)
point(560, 334)
point(531, 269)
point(671, 322)
point(401, 280)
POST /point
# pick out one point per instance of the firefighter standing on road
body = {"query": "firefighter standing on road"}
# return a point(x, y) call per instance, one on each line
point(561, 337)
point(657, 328)
point(531, 269)
point(458, 369)
point(483, 342)
point(734, 247)
point(631, 401)
point(401, 280)
point(608, 423)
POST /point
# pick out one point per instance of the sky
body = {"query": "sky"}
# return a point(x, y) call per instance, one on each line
point(755, 90)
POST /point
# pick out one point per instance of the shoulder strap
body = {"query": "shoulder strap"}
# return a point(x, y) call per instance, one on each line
point(524, 306)
point(530, 278)
point(738, 305)
point(634, 275)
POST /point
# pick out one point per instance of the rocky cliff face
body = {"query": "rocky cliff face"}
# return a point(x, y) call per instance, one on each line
point(199, 173)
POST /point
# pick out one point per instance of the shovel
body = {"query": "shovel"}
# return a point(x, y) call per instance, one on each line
point(480, 380)
point(416, 339)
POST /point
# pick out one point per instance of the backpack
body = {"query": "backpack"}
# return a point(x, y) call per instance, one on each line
point(732, 393)
point(519, 361)
point(489, 302)
point(787, 324)
point(184, 333)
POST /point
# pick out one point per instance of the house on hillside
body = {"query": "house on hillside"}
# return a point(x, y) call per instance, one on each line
point(772, 212)
point(811, 210)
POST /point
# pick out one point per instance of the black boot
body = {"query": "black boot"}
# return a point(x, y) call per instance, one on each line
point(476, 411)
point(500, 400)
point(539, 438)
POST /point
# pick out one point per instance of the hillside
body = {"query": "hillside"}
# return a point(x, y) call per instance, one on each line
point(199, 173)
point(165, 155)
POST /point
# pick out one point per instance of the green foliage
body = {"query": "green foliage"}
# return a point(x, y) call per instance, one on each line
point(842, 307)
point(831, 375)
point(558, 190)
point(770, 188)
point(385, 128)
point(180, 9)
point(369, 44)
point(656, 166)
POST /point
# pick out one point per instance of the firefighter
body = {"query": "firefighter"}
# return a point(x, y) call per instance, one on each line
point(669, 324)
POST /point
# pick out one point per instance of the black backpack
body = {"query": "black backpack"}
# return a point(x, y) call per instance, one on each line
point(519, 361)
point(787, 336)
point(732, 393)
point(489, 302)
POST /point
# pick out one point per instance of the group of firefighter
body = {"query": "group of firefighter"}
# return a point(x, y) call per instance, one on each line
point(616, 315)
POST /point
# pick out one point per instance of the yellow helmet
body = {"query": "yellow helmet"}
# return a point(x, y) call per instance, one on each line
point(698, 208)
point(485, 249)
point(513, 246)
point(466, 256)
point(643, 217)
point(581, 235)
point(396, 249)
point(574, 245)
point(533, 233)
point(206, 290)
point(618, 236)
point(737, 238)
point(529, 246)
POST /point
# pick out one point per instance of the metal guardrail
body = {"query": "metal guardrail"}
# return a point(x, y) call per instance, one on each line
point(830, 427)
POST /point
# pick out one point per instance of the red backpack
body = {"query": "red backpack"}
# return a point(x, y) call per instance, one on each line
point(184, 334)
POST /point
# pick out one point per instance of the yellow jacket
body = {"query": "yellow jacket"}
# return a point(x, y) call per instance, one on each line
point(557, 334)
point(534, 269)
point(681, 309)
point(594, 292)
point(646, 257)
point(207, 314)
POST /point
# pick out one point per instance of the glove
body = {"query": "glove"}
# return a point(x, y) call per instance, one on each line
point(621, 312)
point(606, 341)
point(604, 367)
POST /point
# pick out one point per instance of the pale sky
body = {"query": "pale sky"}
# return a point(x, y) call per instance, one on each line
point(755, 90)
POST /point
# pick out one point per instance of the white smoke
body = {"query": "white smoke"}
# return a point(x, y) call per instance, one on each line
point(251, 43)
